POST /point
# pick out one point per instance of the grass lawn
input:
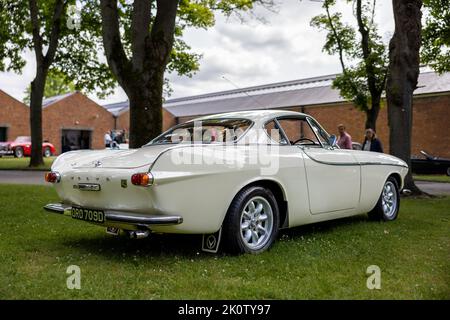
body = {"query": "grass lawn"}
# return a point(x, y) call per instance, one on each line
point(327, 260)
point(433, 178)
point(11, 163)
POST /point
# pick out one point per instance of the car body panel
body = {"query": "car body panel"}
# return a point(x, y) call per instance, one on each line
point(343, 175)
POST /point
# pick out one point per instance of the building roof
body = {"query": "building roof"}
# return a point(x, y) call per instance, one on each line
point(3, 93)
point(302, 92)
point(117, 108)
point(54, 99)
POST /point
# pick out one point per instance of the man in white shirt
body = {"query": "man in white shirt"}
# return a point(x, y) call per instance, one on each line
point(108, 140)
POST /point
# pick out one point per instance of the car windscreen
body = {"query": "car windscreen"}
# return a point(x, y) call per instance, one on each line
point(206, 132)
point(23, 139)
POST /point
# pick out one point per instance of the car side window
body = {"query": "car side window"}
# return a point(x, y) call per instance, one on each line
point(298, 131)
point(320, 132)
point(274, 132)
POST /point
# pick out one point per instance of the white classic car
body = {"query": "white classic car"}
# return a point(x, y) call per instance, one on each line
point(236, 178)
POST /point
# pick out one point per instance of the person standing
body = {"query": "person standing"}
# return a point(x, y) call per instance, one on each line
point(344, 140)
point(108, 140)
point(371, 142)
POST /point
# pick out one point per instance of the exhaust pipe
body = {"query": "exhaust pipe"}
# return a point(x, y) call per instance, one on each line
point(406, 192)
point(138, 234)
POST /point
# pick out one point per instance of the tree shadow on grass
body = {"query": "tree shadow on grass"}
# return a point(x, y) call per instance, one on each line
point(324, 227)
point(156, 245)
point(187, 246)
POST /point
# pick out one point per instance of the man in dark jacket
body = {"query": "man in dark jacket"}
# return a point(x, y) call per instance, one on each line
point(371, 142)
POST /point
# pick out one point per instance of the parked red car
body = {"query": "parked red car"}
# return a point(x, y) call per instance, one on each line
point(21, 147)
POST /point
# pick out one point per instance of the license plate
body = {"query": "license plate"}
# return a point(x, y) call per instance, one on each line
point(90, 215)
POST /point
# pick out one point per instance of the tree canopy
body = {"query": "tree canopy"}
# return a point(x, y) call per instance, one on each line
point(435, 49)
point(76, 54)
point(362, 55)
point(143, 40)
point(56, 84)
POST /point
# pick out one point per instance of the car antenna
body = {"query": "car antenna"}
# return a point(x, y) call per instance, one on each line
point(237, 87)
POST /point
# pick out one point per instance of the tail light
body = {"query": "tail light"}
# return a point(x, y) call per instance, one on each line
point(52, 177)
point(142, 179)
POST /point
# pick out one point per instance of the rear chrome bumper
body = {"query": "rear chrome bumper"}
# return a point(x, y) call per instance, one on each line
point(121, 217)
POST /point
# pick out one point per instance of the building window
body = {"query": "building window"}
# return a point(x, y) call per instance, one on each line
point(3, 134)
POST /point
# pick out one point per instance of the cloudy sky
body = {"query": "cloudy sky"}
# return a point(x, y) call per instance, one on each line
point(251, 53)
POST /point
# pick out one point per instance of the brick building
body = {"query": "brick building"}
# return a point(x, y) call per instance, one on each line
point(73, 121)
point(315, 96)
point(121, 114)
point(14, 118)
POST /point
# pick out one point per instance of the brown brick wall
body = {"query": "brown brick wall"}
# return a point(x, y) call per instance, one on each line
point(431, 123)
point(123, 120)
point(76, 112)
point(15, 116)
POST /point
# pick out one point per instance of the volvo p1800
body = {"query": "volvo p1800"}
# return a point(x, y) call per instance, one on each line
point(235, 178)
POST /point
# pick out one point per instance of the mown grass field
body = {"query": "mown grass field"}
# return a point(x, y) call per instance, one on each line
point(322, 261)
point(11, 163)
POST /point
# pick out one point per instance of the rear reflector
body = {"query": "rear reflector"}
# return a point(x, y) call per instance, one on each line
point(142, 179)
point(52, 177)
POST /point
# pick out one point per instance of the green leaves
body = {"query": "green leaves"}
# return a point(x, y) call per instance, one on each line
point(79, 55)
point(435, 50)
point(56, 84)
point(340, 36)
point(364, 63)
point(14, 36)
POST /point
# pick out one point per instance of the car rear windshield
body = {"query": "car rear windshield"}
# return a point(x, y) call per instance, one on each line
point(206, 131)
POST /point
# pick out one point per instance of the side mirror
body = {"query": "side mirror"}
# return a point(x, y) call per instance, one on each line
point(332, 140)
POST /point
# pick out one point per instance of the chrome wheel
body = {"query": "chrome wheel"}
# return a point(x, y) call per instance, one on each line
point(389, 199)
point(256, 223)
point(18, 152)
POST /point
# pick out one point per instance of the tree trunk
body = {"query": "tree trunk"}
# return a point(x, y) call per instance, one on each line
point(42, 66)
point(142, 76)
point(372, 114)
point(146, 110)
point(37, 94)
point(402, 80)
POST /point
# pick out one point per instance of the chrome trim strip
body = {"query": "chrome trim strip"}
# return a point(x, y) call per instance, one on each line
point(117, 216)
point(353, 163)
point(57, 207)
point(120, 216)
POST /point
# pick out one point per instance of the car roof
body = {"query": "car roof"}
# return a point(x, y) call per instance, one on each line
point(254, 115)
